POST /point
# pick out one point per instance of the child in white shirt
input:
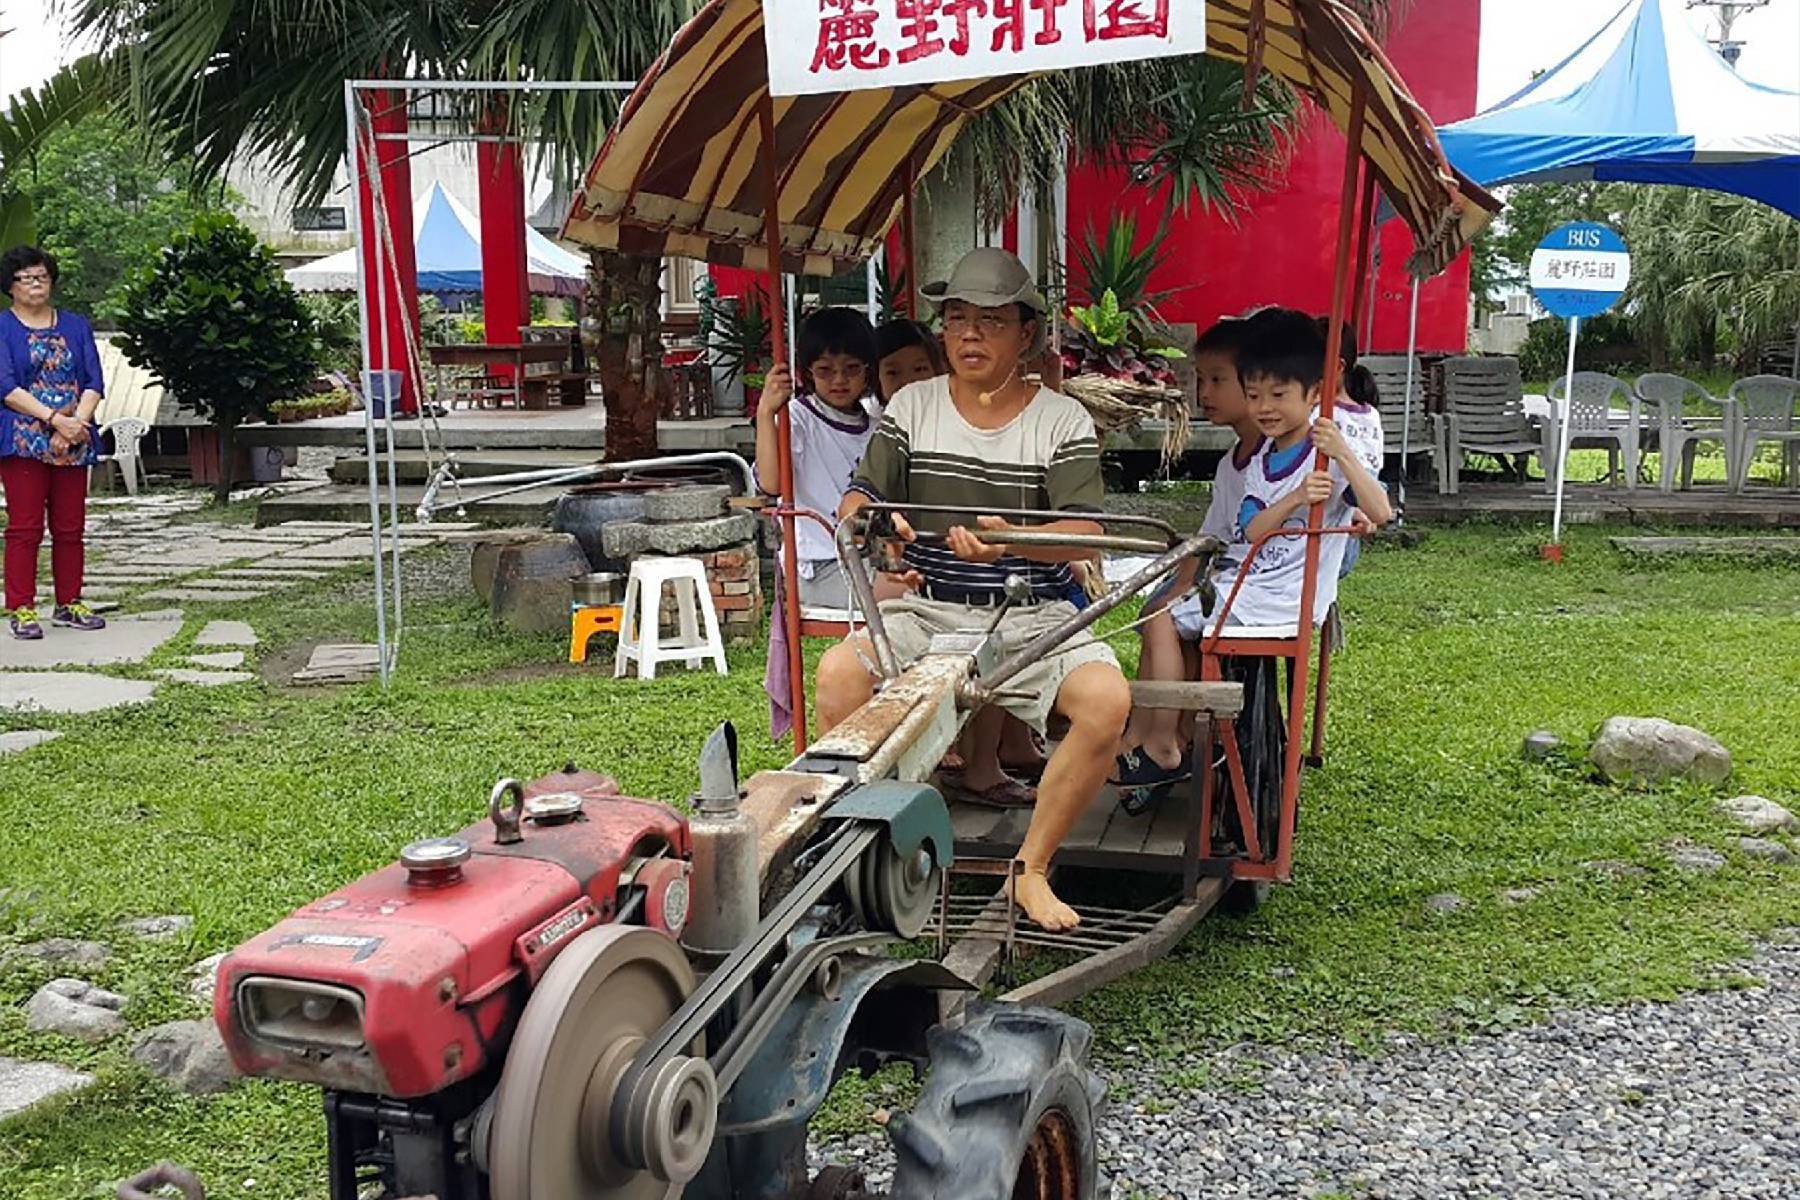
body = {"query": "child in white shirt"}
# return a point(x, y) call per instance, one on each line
point(1281, 365)
point(831, 421)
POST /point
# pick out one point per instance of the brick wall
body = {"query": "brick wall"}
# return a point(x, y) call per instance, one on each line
point(736, 589)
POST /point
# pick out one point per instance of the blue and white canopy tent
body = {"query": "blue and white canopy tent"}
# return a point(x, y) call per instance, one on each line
point(447, 244)
point(1645, 100)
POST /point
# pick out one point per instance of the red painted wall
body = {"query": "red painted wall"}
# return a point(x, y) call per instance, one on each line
point(1280, 251)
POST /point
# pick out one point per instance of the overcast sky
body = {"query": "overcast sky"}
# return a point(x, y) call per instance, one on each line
point(1517, 38)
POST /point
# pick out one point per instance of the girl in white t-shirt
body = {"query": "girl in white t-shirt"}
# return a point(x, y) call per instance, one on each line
point(830, 423)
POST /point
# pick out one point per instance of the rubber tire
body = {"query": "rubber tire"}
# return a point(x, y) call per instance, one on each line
point(989, 1084)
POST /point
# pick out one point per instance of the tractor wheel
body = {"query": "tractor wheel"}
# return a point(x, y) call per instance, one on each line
point(1007, 1112)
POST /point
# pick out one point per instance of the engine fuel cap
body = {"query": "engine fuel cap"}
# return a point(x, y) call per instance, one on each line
point(434, 862)
point(552, 808)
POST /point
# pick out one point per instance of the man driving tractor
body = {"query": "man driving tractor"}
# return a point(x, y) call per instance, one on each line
point(985, 438)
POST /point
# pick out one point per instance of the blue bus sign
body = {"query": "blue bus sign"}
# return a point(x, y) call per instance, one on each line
point(1580, 270)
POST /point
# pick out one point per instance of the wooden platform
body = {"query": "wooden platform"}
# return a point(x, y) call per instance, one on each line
point(1105, 836)
point(1761, 507)
point(1786, 549)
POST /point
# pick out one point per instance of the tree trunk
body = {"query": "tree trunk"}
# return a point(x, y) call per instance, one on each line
point(228, 464)
point(1709, 343)
point(623, 331)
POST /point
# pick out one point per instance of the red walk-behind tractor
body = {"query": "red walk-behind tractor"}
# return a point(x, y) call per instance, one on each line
point(576, 1000)
point(593, 997)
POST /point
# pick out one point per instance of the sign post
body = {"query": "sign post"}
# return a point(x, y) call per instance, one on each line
point(1579, 270)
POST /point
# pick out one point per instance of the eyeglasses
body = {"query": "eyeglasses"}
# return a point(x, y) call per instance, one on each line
point(986, 324)
point(34, 278)
point(830, 374)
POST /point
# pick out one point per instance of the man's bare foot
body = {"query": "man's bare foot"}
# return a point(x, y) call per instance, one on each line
point(1032, 892)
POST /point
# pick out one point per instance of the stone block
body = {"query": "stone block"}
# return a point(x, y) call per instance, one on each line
point(534, 583)
point(693, 536)
point(226, 633)
point(698, 503)
point(70, 691)
point(624, 539)
point(1759, 815)
point(484, 559)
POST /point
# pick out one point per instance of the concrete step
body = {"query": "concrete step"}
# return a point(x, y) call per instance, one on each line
point(349, 502)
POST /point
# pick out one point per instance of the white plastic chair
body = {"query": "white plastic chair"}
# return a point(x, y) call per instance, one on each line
point(1765, 413)
point(126, 433)
point(1594, 422)
point(1678, 433)
point(1484, 401)
point(641, 638)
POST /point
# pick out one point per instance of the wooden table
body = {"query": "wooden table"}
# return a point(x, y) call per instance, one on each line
point(488, 355)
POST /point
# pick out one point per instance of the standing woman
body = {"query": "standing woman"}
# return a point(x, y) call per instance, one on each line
point(49, 388)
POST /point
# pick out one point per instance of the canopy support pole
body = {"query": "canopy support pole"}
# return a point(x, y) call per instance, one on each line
point(1364, 277)
point(778, 346)
point(1412, 349)
point(1342, 284)
point(909, 252)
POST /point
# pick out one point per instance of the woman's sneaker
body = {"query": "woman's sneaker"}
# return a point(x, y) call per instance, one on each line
point(76, 616)
point(25, 625)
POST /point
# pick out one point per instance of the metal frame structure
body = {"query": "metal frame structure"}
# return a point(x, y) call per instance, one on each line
point(361, 139)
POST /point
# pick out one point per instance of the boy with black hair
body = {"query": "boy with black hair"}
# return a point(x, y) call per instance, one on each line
point(1153, 746)
point(830, 424)
point(1281, 364)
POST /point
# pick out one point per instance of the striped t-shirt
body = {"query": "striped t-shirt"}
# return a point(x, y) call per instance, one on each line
point(1047, 457)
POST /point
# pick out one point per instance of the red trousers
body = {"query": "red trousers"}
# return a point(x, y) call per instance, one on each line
point(32, 489)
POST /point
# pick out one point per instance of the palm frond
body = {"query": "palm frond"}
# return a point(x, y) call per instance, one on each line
point(34, 114)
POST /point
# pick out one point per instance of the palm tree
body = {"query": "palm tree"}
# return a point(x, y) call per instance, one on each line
point(25, 126)
point(265, 76)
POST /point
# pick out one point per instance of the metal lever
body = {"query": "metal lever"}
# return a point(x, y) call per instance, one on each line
point(1017, 592)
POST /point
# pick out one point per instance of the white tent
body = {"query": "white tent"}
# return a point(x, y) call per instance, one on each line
point(447, 246)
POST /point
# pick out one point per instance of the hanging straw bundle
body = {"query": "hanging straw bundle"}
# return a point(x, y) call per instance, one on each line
point(1123, 404)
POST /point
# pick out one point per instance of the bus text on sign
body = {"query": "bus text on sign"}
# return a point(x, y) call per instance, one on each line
point(844, 45)
point(1580, 270)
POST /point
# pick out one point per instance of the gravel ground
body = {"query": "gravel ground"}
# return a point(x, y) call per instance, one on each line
point(1696, 1098)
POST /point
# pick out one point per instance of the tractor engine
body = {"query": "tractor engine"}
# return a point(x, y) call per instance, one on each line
point(399, 994)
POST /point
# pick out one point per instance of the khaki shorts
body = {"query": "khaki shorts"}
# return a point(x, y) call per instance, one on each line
point(912, 620)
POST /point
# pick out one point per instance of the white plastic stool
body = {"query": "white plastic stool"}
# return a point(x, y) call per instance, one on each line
point(641, 637)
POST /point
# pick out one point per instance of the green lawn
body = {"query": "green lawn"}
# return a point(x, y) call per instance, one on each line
point(237, 804)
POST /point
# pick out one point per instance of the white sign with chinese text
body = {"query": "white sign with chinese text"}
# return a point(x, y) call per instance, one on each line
point(1580, 269)
point(844, 45)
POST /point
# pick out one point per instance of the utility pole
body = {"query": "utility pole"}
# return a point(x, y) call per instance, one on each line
point(1728, 11)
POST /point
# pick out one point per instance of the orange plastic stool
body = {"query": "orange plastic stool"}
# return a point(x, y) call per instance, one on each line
point(585, 622)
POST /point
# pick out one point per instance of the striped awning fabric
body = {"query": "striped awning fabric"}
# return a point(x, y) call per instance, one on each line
point(682, 171)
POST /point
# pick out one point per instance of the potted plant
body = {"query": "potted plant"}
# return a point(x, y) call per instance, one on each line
point(217, 324)
point(738, 336)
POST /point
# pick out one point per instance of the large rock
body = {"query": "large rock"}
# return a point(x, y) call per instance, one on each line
point(1759, 815)
point(158, 929)
point(23, 1084)
point(67, 952)
point(533, 583)
point(190, 1055)
point(76, 1009)
point(1650, 750)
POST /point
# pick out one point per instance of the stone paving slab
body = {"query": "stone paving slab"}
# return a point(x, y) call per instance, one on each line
point(203, 678)
point(340, 664)
point(23, 1083)
point(70, 691)
point(226, 633)
point(350, 549)
point(25, 739)
point(199, 594)
point(124, 640)
point(274, 570)
point(225, 660)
